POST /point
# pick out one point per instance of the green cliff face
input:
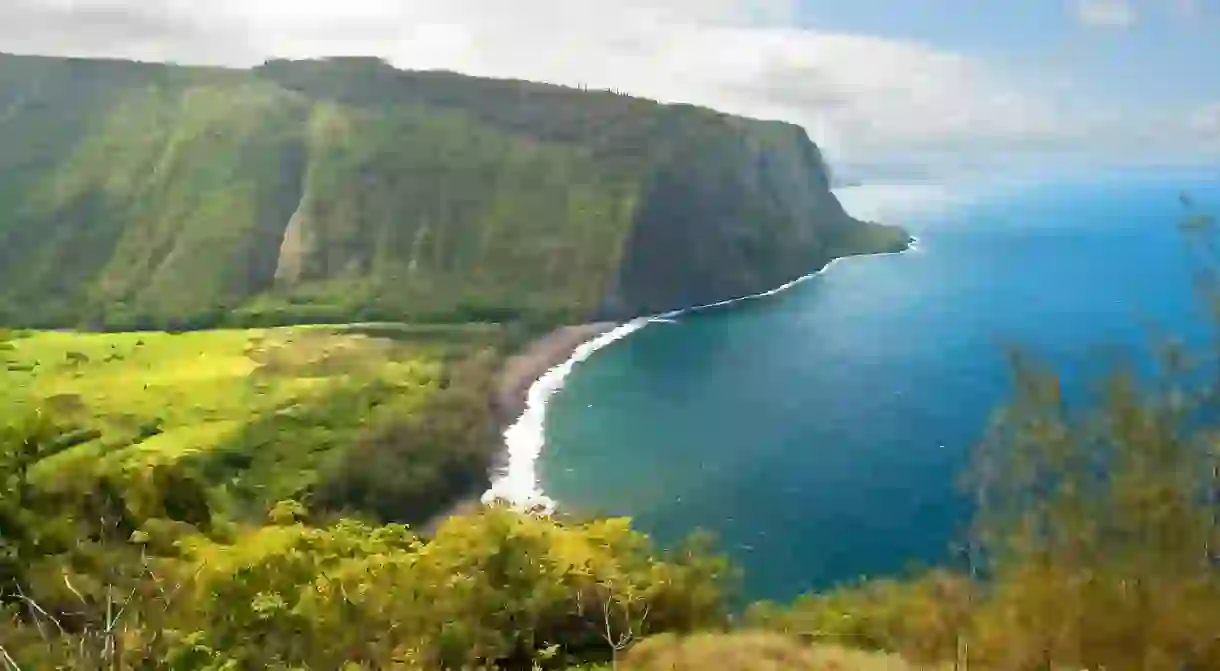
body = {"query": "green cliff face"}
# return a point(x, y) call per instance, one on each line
point(142, 195)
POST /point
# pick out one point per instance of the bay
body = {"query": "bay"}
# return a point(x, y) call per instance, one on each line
point(820, 433)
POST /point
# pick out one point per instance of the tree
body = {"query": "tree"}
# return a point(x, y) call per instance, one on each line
point(23, 440)
point(619, 612)
point(1097, 521)
point(1094, 539)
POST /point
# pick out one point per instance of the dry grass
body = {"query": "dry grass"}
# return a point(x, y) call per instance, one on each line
point(752, 651)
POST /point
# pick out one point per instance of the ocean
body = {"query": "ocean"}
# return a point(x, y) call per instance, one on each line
point(819, 432)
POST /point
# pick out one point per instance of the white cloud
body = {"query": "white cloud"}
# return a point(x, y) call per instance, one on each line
point(864, 96)
point(1205, 125)
point(1106, 13)
point(861, 94)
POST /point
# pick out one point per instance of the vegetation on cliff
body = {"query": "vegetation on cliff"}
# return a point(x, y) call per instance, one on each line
point(137, 196)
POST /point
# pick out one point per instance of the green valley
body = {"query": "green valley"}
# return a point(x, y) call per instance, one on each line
point(254, 322)
point(137, 196)
point(267, 414)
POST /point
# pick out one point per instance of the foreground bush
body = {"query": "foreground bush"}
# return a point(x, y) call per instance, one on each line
point(490, 588)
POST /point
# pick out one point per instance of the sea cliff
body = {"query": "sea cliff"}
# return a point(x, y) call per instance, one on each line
point(152, 196)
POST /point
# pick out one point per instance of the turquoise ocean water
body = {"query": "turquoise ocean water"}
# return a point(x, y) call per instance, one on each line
point(819, 432)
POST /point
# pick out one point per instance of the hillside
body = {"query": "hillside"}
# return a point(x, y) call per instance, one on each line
point(146, 195)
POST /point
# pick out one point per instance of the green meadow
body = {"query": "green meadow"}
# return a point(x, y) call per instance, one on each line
point(262, 414)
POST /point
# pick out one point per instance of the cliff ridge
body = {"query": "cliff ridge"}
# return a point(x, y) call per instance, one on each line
point(136, 196)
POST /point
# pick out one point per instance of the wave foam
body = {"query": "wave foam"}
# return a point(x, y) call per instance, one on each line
point(516, 484)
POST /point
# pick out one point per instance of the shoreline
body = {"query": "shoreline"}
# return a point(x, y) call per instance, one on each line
point(510, 399)
point(524, 368)
point(528, 377)
point(528, 380)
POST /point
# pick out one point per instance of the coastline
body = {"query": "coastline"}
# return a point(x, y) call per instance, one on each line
point(531, 377)
point(523, 369)
point(528, 377)
point(519, 373)
point(527, 381)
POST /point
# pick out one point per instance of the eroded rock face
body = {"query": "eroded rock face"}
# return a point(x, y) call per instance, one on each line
point(744, 212)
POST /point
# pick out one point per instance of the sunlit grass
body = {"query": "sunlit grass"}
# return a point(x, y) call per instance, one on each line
point(158, 397)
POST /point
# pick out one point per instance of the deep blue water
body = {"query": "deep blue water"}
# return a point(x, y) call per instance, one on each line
point(819, 433)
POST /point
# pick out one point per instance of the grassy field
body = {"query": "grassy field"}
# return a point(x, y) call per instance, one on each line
point(260, 411)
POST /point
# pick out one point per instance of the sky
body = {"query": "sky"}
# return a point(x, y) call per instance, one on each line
point(899, 82)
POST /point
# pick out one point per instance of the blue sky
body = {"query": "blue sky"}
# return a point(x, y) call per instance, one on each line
point(945, 83)
point(1169, 49)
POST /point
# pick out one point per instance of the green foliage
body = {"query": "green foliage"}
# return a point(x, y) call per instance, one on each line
point(1103, 524)
point(1093, 545)
point(123, 563)
point(263, 415)
point(164, 197)
point(29, 435)
point(491, 588)
point(923, 617)
point(395, 471)
point(1094, 542)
